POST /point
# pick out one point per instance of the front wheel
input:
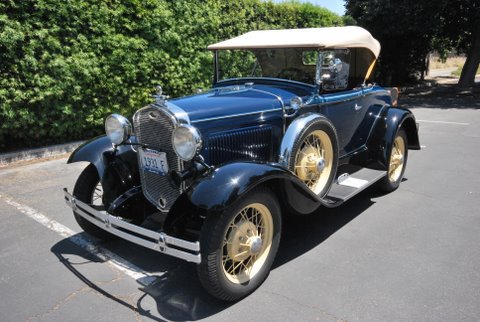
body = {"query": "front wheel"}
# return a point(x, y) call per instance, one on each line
point(239, 246)
point(88, 189)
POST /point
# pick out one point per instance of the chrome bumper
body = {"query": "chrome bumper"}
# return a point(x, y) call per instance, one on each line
point(158, 241)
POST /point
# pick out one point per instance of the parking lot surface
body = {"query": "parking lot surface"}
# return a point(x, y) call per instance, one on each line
point(409, 255)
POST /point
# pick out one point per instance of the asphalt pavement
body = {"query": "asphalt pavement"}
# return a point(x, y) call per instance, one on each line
point(411, 255)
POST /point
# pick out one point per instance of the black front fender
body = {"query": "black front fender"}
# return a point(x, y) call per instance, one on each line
point(98, 151)
point(93, 151)
point(224, 185)
point(117, 169)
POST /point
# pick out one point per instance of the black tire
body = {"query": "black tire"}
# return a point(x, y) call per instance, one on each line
point(213, 270)
point(327, 127)
point(84, 191)
point(390, 183)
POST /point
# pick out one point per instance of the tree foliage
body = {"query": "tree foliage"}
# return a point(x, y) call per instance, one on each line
point(404, 28)
point(65, 65)
point(409, 30)
point(460, 32)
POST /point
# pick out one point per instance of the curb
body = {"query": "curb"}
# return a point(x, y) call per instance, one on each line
point(39, 153)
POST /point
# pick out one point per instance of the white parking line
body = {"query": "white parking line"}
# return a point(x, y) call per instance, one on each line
point(84, 242)
point(443, 122)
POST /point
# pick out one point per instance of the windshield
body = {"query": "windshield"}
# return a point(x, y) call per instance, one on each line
point(288, 63)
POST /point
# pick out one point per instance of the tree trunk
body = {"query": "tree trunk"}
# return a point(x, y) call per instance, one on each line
point(467, 77)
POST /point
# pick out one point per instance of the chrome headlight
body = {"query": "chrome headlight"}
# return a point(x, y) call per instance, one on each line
point(186, 141)
point(118, 128)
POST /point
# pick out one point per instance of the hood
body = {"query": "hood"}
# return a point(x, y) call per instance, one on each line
point(235, 99)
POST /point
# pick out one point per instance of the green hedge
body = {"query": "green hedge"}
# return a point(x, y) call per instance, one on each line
point(66, 64)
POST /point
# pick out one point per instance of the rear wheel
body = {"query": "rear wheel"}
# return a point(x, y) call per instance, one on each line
point(397, 162)
point(239, 246)
point(88, 189)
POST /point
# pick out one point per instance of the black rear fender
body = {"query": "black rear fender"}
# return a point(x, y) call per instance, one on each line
point(410, 126)
point(380, 143)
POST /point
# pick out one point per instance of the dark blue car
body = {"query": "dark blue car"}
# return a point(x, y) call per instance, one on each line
point(293, 122)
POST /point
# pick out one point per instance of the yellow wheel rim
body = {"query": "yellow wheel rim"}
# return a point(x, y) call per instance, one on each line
point(397, 158)
point(313, 161)
point(247, 242)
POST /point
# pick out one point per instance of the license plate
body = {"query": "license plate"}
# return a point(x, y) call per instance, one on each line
point(154, 161)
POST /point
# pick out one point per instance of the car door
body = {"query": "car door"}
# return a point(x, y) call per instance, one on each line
point(346, 110)
point(372, 102)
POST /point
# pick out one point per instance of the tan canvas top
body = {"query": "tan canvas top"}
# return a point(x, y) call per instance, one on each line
point(329, 37)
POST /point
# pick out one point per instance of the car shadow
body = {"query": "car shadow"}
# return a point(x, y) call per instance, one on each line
point(66, 247)
point(303, 232)
point(176, 290)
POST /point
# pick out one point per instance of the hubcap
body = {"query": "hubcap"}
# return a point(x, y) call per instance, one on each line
point(313, 161)
point(247, 243)
point(320, 165)
point(255, 244)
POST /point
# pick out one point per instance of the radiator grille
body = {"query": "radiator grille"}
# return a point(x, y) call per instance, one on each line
point(154, 127)
point(248, 144)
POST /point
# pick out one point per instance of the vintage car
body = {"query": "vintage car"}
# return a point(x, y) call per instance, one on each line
point(292, 123)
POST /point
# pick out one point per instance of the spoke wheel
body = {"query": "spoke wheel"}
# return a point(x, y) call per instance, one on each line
point(238, 245)
point(314, 156)
point(88, 189)
point(395, 168)
point(97, 196)
point(313, 161)
point(247, 242)
point(397, 162)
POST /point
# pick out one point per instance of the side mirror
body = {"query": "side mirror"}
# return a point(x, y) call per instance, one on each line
point(336, 66)
point(333, 69)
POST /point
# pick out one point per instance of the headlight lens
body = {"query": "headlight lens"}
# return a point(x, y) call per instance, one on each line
point(118, 128)
point(186, 141)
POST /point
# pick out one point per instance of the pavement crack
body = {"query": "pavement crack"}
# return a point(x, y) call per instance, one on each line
point(118, 277)
point(60, 303)
point(132, 300)
point(129, 299)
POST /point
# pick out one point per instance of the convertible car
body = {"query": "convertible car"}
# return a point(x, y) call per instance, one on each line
point(292, 123)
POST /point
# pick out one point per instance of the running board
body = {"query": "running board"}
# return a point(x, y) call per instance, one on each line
point(347, 186)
